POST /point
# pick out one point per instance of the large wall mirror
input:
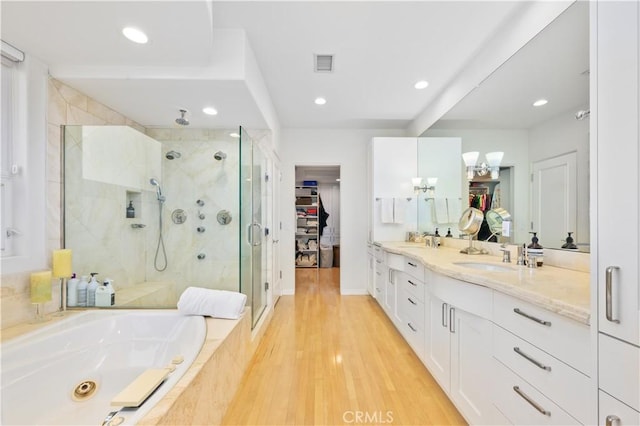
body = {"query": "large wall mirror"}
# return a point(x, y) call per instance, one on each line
point(546, 148)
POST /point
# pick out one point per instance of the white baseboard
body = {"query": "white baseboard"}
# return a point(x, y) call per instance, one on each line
point(354, 292)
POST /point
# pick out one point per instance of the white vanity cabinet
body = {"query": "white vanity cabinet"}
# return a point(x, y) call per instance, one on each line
point(371, 269)
point(541, 362)
point(615, 140)
point(411, 304)
point(458, 344)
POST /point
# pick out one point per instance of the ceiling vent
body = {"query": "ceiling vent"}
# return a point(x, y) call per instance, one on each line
point(323, 63)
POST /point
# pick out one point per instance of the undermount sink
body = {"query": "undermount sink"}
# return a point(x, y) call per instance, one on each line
point(492, 267)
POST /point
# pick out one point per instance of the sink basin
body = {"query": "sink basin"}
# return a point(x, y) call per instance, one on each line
point(492, 267)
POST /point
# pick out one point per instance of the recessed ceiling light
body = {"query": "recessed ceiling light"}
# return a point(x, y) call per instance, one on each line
point(210, 111)
point(135, 35)
point(234, 135)
point(320, 101)
point(540, 102)
point(422, 84)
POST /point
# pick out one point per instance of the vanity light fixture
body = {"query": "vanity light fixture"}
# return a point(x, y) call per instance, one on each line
point(135, 35)
point(430, 186)
point(422, 84)
point(540, 102)
point(491, 166)
point(210, 111)
point(320, 101)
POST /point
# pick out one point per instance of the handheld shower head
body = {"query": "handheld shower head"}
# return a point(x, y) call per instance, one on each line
point(181, 120)
point(172, 155)
point(219, 155)
point(154, 182)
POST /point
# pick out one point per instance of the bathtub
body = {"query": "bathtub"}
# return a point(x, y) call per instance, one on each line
point(40, 371)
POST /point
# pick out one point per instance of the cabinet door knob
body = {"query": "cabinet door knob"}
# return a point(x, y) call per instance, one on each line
point(609, 293)
point(611, 419)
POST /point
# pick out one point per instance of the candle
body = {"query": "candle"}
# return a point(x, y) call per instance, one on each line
point(62, 263)
point(40, 287)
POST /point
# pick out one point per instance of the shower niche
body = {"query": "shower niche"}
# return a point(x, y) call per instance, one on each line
point(133, 199)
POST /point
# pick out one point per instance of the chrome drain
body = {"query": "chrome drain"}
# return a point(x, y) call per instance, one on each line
point(84, 390)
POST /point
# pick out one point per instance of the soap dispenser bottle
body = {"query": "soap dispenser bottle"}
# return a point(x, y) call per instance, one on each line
point(448, 233)
point(436, 239)
point(131, 212)
point(534, 250)
point(72, 291)
point(569, 244)
point(91, 290)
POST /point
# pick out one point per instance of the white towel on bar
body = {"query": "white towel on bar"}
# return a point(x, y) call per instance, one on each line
point(212, 303)
point(399, 210)
point(442, 214)
point(386, 210)
point(455, 211)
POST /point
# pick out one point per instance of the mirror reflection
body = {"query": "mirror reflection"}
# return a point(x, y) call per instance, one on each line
point(543, 174)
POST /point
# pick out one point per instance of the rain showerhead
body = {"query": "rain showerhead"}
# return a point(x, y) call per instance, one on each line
point(181, 120)
point(219, 155)
point(172, 155)
point(154, 182)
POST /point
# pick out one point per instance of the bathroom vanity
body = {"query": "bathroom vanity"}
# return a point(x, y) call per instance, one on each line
point(508, 344)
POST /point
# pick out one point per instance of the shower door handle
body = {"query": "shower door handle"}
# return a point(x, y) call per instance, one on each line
point(256, 241)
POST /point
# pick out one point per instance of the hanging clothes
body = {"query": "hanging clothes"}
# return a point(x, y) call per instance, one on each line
point(323, 216)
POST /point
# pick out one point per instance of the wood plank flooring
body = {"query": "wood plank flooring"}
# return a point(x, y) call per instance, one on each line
point(327, 359)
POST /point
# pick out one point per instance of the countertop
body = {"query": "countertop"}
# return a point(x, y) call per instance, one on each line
point(563, 291)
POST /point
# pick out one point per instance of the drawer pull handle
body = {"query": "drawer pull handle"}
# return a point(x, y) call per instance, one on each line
point(452, 320)
point(378, 273)
point(412, 283)
point(532, 318)
point(411, 301)
point(444, 316)
point(531, 360)
point(531, 401)
point(412, 264)
point(608, 293)
point(610, 419)
point(378, 261)
point(411, 327)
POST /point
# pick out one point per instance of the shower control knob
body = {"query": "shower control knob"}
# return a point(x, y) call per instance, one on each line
point(201, 229)
point(200, 203)
point(201, 256)
point(201, 216)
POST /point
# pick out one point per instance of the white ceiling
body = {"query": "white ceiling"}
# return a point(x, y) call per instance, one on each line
point(381, 49)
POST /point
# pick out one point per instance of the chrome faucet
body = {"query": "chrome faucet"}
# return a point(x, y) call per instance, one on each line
point(506, 254)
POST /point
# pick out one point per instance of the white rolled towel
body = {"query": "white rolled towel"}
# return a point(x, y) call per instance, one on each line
point(212, 303)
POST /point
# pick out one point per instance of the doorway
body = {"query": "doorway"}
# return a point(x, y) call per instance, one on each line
point(317, 245)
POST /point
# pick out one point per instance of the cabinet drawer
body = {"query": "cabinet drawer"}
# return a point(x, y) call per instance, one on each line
point(378, 253)
point(556, 380)
point(561, 337)
point(414, 268)
point(395, 261)
point(411, 309)
point(618, 413)
point(619, 365)
point(412, 286)
point(522, 404)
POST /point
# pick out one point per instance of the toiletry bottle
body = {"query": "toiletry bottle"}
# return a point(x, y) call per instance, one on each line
point(569, 244)
point(105, 296)
point(112, 292)
point(448, 233)
point(82, 291)
point(131, 212)
point(436, 239)
point(534, 250)
point(91, 290)
point(72, 291)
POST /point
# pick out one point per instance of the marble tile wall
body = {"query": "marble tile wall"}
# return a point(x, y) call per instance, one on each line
point(66, 105)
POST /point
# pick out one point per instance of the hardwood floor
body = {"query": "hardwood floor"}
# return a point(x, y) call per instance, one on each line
point(328, 359)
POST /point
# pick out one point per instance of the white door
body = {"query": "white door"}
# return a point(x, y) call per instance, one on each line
point(276, 224)
point(471, 345)
point(437, 337)
point(554, 199)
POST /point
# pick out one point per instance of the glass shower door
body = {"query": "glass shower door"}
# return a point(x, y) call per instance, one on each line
point(251, 228)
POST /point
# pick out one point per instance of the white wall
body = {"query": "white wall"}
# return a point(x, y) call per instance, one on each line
point(347, 149)
point(559, 136)
point(515, 145)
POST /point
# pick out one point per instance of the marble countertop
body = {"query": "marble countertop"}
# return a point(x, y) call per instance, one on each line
point(563, 291)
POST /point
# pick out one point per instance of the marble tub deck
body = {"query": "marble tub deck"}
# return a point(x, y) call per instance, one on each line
point(563, 291)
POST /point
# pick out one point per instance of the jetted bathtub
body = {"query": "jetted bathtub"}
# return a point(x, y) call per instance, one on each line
point(69, 371)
